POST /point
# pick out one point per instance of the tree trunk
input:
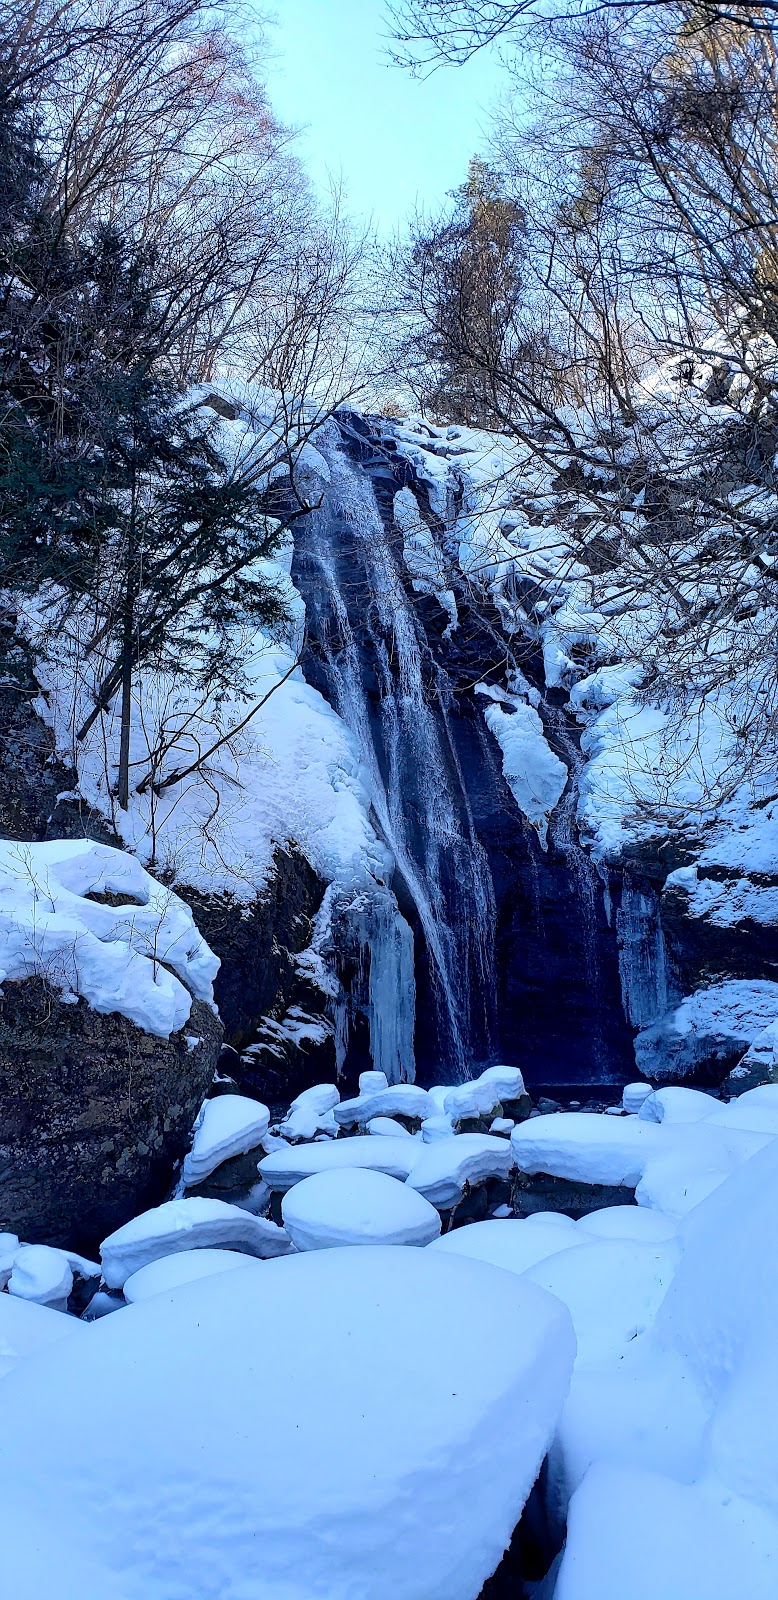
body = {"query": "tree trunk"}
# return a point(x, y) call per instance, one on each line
point(128, 619)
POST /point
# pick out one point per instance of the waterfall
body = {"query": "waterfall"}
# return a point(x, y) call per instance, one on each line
point(370, 652)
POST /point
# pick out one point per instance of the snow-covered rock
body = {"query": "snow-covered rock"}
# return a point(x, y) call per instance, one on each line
point(356, 1207)
point(311, 1113)
point(187, 1225)
point(388, 1128)
point(322, 1454)
point(629, 1222)
point(227, 1126)
point(398, 1100)
point(284, 1168)
point(693, 1160)
point(709, 1029)
point(634, 1094)
point(481, 1096)
point(442, 1169)
point(586, 1148)
point(117, 957)
point(508, 1243)
point(171, 1272)
point(676, 1104)
point(42, 1275)
point(612, 1288)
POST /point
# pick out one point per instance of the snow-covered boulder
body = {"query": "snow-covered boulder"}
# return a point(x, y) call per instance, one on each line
point(356, 1207)
point(143, 958)
point(42, 1275)
point(321, 1455)
point(442, 1169)
point(387, 1128)
point(284, 1168)
point(628, 1222)
point(510, 1243)
point(227, 1126)
point(482, 1096)
point(676, 1104)
point(709, 1031)
point(187, 1225)
point(586, 1148)
point(612, 1288)
point(186, 1266)
point(398, 1100)
point(310, 1113)
point(634, 1094)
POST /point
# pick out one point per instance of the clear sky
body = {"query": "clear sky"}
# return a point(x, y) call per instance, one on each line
point(395, 140)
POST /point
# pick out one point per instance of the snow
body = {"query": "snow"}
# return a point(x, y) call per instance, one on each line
point(585, 1147)
point(701, 1545)
point(443, 1168)
point(629, 1222)
point(399, 1100)
point(676, 1104)
point(117, 957)
point(356, 1207)
point(734, 1013)
point(311, 1113)
point(323, 1454)
point(481, 1096)
point(227, 1126)
point(692, 1161)
point(535, 775)
point(171, 1272)
point(387, 1127)
point(26, 1328)
point(613, 1289)
point(42, 1275)
point(187, 1225)
point(284, 1168)
point(507, 1243)
point(634, 1094)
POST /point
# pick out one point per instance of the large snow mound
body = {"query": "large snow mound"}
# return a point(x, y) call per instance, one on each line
point(227, 1126)
point(357, 1207)
point(144, 959)
point(26, 1328)
point(323, 1455)
point(171, 1272)
point(187, 1225)
point(509, 1243)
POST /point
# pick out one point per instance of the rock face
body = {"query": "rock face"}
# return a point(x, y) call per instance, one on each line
point(267, 1001)
point(526, 964)
point(93, 1113)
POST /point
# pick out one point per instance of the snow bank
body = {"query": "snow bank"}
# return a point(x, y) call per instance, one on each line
point(187, 1225)
point(322, 1455)
point(117, 957)
point(357, 1207)
point(702, 1545)
point(171, 1272)
point(227, 1126)
point(442, 1169)
point(26, 1328)
point(284, 1168)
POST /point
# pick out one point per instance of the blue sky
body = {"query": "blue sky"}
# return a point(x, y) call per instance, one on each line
point(394, 140)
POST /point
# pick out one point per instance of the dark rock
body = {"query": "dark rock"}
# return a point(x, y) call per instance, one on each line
point(233, 1180)
point(701, 1057)
point(228, 1064)
point(93, 1113)
point(517, 1110)
point(547, 1107)
point(261, 992)
point(542, 1192)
